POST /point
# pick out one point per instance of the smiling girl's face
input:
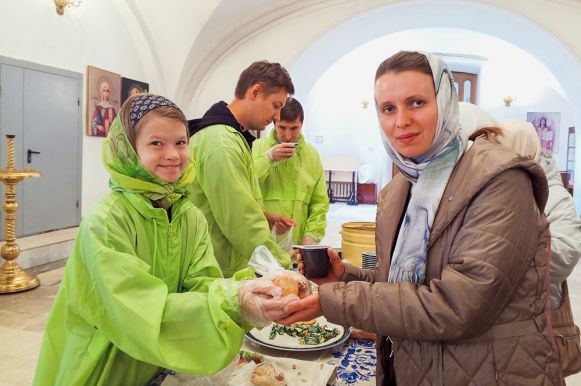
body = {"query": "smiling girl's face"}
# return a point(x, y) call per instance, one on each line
point(407, 110)
point(162, 146)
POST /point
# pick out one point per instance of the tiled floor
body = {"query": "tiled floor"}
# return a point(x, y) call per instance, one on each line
point(22, 319)
point(23, 315)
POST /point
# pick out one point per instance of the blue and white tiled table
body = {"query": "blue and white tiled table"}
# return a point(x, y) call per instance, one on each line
point(354, 360)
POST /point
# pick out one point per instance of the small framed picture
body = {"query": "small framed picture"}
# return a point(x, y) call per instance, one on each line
point(130, 87)
point(547, 126)
point(103, 100)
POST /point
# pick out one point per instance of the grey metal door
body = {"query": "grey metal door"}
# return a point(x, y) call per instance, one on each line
point(41, 106)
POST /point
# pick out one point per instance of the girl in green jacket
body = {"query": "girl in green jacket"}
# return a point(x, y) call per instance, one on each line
point(142, 290)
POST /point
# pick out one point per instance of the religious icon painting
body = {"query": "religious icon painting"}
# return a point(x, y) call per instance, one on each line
point(103, 100)
point(130, 87)
point(547, 127)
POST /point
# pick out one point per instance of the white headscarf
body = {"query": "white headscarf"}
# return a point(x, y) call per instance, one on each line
point(521, 137)
point(447, 129)
point(429, 173)
point(473, 118)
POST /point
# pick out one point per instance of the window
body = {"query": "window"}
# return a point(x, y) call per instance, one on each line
point(466, 86)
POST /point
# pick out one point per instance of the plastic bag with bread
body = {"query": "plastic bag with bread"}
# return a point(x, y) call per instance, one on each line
point(266, 265)
point(293, 283)
point(267, 374)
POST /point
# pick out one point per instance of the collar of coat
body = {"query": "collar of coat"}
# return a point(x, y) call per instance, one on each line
point(218, 114)
point(477, 167)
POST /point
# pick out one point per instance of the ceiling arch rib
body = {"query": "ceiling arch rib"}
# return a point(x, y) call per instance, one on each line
point(245, 19)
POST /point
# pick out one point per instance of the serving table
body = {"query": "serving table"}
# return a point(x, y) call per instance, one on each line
point(354, 360)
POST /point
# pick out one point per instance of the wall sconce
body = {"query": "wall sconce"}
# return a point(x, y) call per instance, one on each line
point(364, 103)
point(508, 100)
point(61, 4)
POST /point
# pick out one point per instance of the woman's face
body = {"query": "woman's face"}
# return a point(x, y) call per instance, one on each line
point(162, 146)
point(407, 111)
point(105, 91)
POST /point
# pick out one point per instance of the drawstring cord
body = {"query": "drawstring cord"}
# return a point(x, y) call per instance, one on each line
point(153, 260)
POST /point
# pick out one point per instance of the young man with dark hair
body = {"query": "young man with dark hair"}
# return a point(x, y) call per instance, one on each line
point(291, 176)
point(226, 187)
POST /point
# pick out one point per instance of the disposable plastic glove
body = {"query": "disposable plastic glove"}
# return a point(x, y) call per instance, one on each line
point(261, 302)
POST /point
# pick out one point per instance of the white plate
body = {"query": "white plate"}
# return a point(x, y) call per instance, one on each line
point(291, 343)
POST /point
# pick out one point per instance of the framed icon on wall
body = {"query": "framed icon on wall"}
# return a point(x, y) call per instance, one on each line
point(103, 100)
point(547, 127)
point(130, 87)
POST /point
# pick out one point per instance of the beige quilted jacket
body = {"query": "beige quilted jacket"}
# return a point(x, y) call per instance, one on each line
point(478, 319)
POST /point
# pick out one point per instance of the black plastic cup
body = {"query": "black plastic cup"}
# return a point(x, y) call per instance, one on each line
point(315, 260)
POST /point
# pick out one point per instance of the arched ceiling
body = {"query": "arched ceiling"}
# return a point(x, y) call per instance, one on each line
point(191, 41)
point(186, 39)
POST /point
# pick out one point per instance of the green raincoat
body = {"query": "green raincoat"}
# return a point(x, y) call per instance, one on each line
point(226, 190)
point(140, 292)
point(295, 187)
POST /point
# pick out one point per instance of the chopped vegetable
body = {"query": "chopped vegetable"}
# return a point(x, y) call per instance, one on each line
point(250, 356)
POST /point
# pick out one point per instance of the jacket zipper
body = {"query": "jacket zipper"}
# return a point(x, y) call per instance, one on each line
point(391, 346)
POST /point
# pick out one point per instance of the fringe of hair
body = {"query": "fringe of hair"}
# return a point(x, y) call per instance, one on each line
point(490, 133)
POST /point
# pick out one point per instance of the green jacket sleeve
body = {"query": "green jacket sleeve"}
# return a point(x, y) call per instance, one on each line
point(203, 271)
point(318, 208)
point(262, 164)
point(240, 218)
point(134, 310)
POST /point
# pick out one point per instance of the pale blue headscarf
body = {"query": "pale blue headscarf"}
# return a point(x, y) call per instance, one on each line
point(429, 175)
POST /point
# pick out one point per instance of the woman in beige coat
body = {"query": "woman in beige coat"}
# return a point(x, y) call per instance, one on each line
point(458, 296)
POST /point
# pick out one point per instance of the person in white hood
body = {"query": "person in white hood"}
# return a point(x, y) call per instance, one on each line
point(564, 223)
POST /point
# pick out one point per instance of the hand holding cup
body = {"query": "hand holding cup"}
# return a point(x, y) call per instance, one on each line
point(281, 151)
point(323, 267)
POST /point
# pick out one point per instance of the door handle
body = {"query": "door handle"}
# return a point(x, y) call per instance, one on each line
point(29, 154)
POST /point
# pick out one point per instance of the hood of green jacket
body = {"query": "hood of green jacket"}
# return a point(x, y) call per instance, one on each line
point(129, 175)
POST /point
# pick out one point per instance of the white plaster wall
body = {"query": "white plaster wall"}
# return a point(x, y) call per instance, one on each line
point(337, 118)
point(170, 30)
point(319, 38)
point(145, 40)
point(104, 34)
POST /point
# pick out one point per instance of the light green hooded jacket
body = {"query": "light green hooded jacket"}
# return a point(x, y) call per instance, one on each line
point(226, 190)
point(140, 292)
point(295, 187)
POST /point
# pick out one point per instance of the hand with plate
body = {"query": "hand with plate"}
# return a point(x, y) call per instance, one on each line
point(293, 343)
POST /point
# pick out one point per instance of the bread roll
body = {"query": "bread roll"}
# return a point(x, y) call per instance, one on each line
point(304, 288)
point(267, 374)
point(289, 285)
point(293, 284)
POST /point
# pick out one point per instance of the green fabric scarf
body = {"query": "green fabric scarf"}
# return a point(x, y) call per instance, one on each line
point(129, 175)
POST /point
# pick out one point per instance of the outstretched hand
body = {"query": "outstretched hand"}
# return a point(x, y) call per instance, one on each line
point(261, 302)
point(302, 310)
point(336, 270)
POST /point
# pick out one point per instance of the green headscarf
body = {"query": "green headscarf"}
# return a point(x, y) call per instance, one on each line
point(129, 175)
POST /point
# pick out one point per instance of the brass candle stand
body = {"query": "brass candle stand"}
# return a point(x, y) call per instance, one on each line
point(12, 277)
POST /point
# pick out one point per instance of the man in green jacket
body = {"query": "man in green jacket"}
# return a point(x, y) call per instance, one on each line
point(226, 187)
point(291, 176)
